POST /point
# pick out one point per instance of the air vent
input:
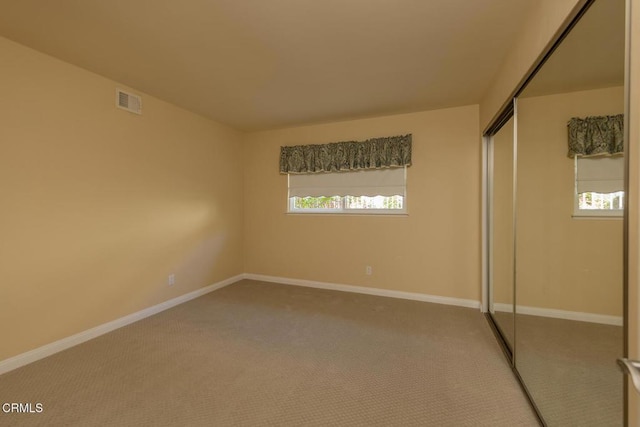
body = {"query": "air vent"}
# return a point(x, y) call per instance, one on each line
point(128, 101)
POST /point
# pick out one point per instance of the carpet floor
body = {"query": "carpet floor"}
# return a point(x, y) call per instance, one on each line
point(257, 353)
point(570, 370)
point(569, 367)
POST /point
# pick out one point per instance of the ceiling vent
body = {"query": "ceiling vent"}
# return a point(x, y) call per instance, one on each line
point(128, 101)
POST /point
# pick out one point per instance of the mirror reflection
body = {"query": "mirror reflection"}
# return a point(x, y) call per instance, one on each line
point(501, 233)
point(569, 233)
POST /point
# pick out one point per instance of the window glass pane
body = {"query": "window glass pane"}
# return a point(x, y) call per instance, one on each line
point(601, 201)
point(321, 202)
point(376, 202)
point(347, 203)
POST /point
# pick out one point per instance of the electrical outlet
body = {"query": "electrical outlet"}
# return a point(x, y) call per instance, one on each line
point(171, 280)
point(368, 270)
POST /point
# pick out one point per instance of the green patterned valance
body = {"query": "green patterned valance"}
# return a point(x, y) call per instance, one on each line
point(596, 135)
point(375, 153)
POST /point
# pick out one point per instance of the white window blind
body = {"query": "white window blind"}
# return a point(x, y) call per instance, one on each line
point(378, 182)
point(600, 174)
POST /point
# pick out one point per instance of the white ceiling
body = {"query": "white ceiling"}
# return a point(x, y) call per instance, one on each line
point(258, 64)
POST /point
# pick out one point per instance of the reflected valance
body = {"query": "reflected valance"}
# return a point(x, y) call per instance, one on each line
point(375, 153)
point(596, 135)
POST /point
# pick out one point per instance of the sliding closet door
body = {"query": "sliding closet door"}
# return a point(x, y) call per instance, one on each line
point(501, 228)
point(569, 232)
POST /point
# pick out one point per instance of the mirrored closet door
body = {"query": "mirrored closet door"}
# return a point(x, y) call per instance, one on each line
point(569, 230)
point(501, 229)
point(567, 226)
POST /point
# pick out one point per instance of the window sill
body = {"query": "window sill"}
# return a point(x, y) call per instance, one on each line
point(597, 217)
point(377, 214)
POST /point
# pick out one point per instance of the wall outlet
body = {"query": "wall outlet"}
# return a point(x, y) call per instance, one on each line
point(171, 280)
point(368, 270)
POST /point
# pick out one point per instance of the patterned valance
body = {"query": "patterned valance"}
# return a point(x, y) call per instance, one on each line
point(375, 153)
point(596, 135)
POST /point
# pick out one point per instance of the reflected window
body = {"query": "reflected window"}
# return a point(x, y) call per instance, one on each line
point(599, 186)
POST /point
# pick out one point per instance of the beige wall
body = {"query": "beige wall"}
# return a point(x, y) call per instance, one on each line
point(563, 263)
point(434, 250)
point(101, 205)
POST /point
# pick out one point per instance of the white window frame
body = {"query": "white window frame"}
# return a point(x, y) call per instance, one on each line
point(590, 213)
point(347, 211)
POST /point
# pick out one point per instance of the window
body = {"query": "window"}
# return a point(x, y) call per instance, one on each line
point(379, 191)
point(599, 186)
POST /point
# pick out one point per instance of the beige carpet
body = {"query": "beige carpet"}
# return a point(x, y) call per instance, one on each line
point(266, 354)
point(570, 369)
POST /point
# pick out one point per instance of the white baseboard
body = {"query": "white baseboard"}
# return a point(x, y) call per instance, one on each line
point(73, 340)
point(561, 314)
point(365, 290)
